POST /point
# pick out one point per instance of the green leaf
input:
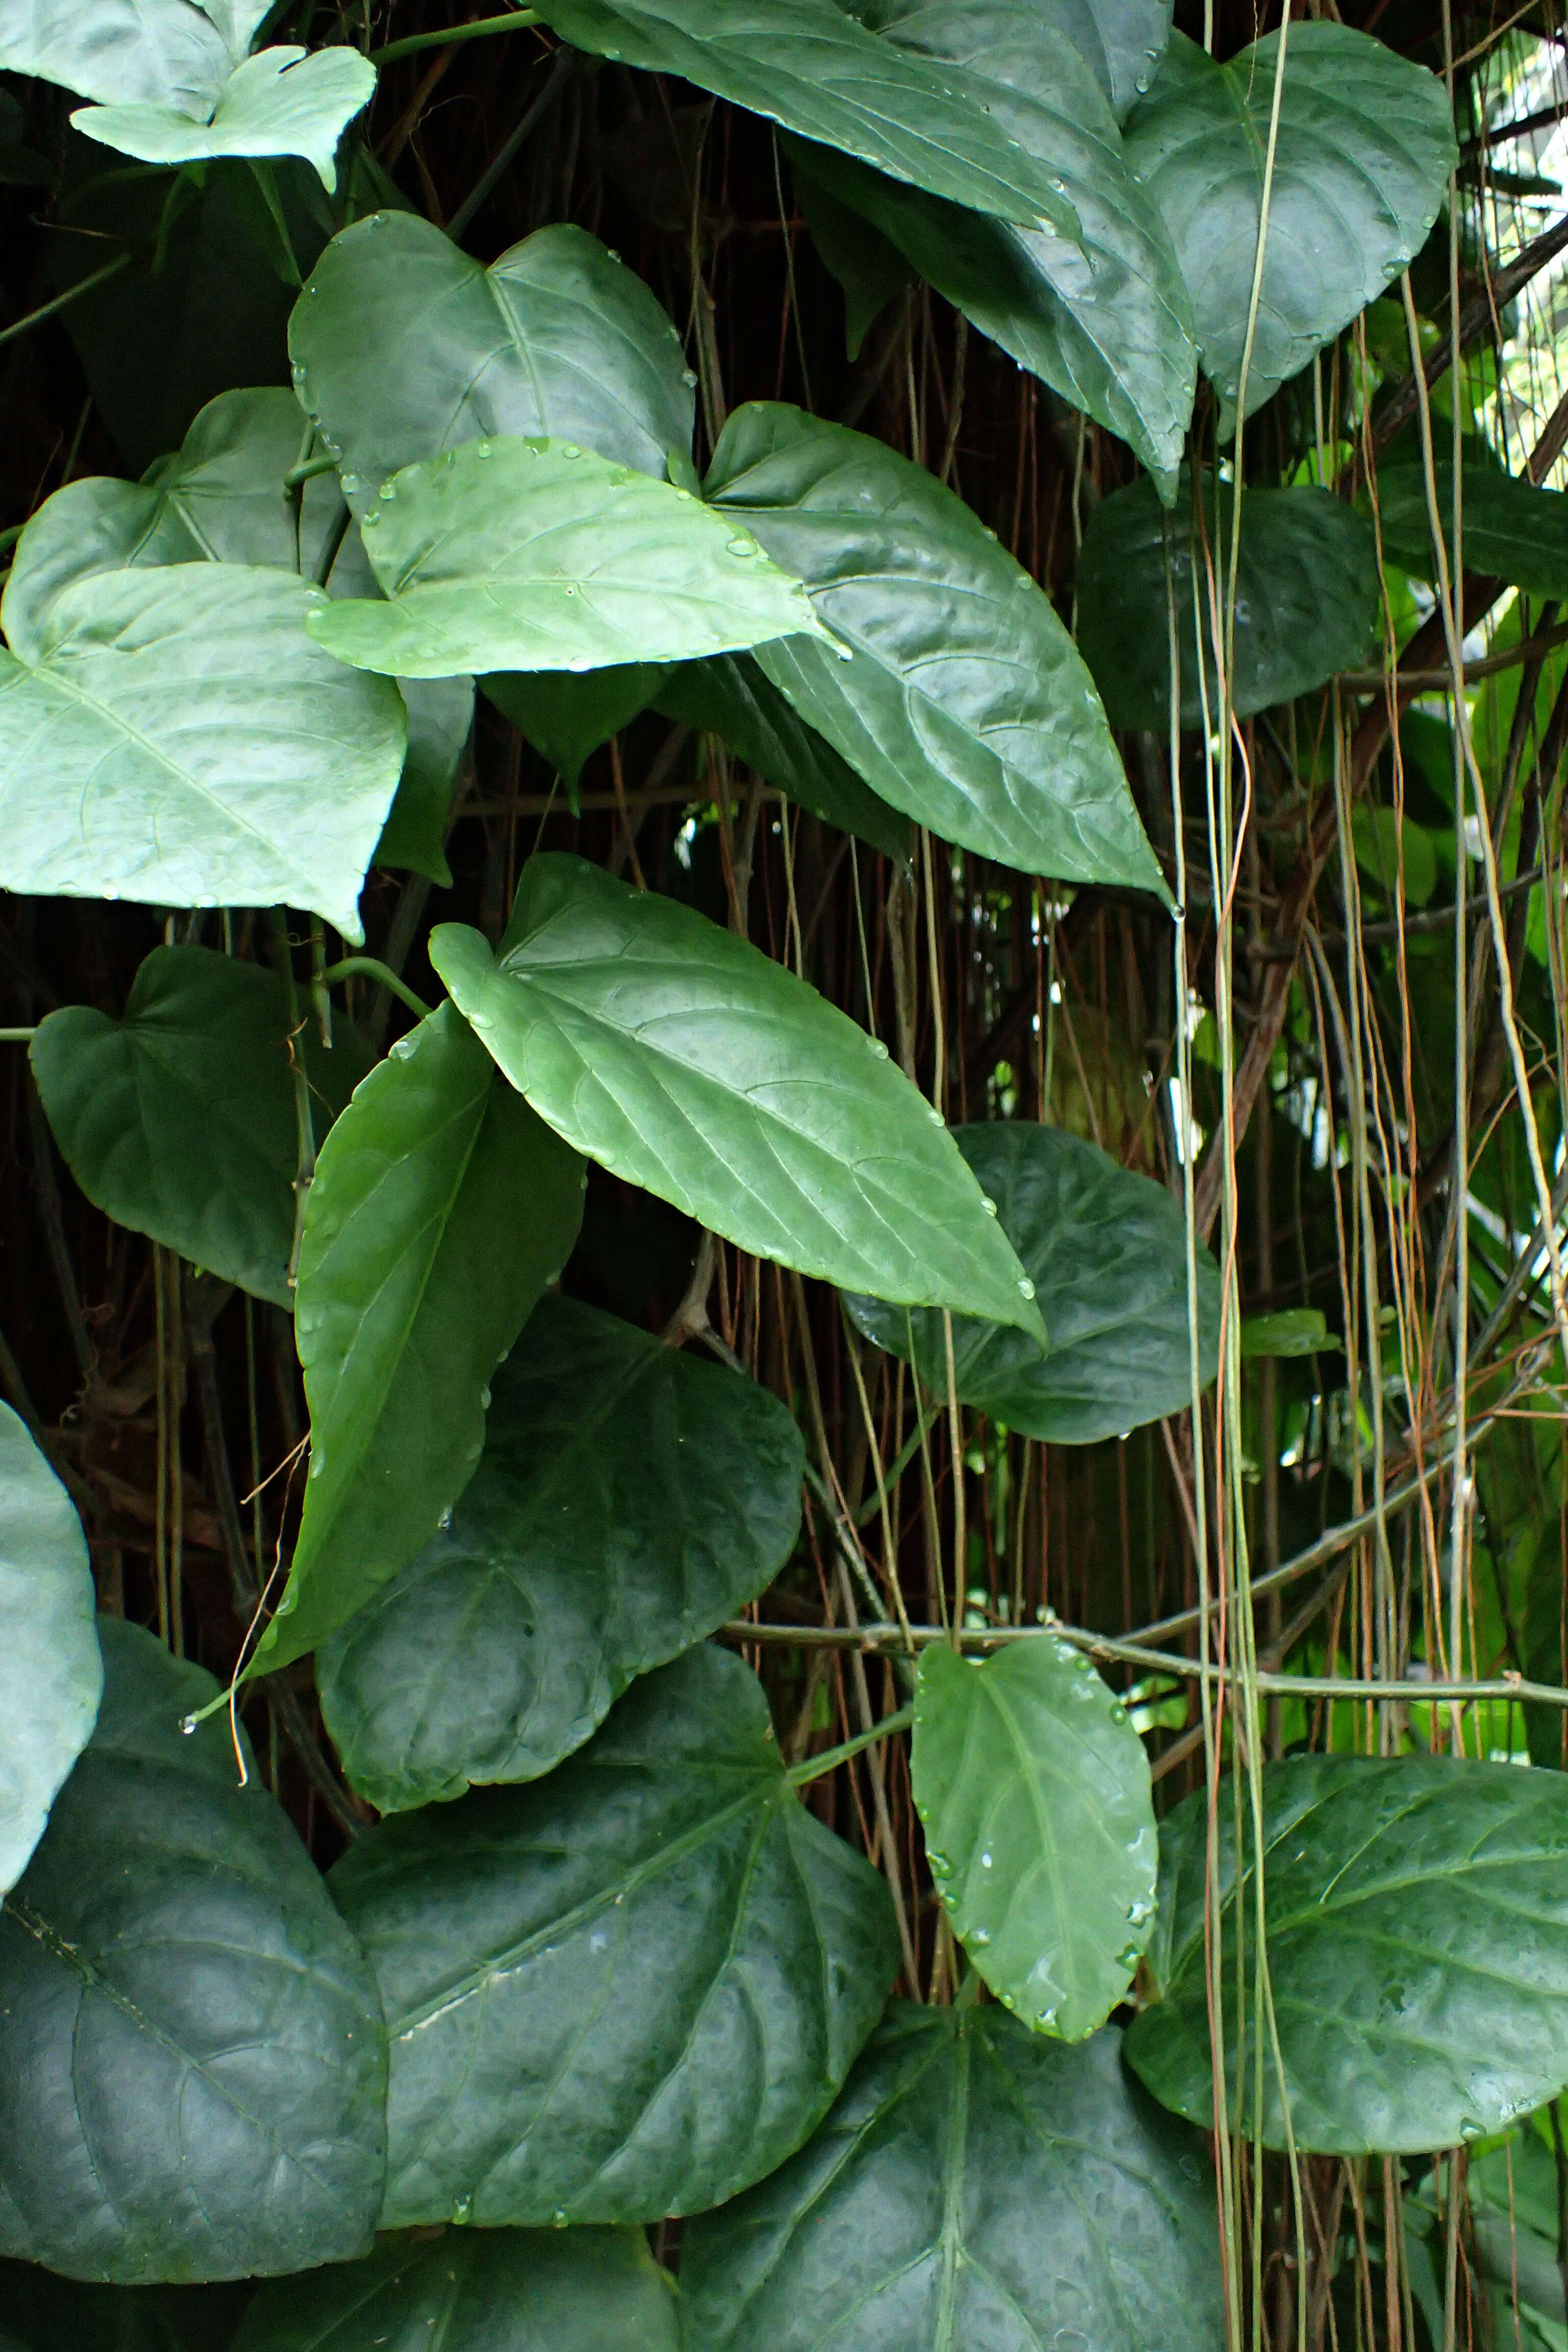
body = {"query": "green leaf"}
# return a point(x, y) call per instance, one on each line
point(686, 1061)
point(402, 348)
point(46, 2314)
point(192, 2062)
point(441, 1208)
point(964, 701)
point(1106, 1250)
point(565, 717)
point(282, 101)
point(179, 1121)
point(1123, 41)
point(538, 555)
point(1364, 149)
point(1384, 841)
point(440, 721)
point(628, 1991)
point(809, 65)
point(1033, 1789)
point(150, 52)
point(1306, 598)
point(1511, 530)
point(868, 267)
point(51, 1677)
point(1293, 1331)
point(211, 753)
point(631, 1498)
point(976, 2186)
point(476, 2290)
point(1417, 1911)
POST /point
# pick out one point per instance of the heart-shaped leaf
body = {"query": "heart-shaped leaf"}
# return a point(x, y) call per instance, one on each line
point(281, 102)
point(51, 1676)
point(566, 717)
point(628, 1991)
point(975, 2185)
point(688, 1062)
point(192, 2060)
point(1511, 530)
point(631, 1498)
point(1123, 41)
point(150, 52)
point(963, 700)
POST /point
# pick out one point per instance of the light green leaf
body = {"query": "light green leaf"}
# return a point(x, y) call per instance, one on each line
point(1033, 1789)
point(282, 101)
point(476, 2290)
point(976, 2186)
point(565, 717)
point(150, 52)
point(868, 267)
point(1293, 1331)
point(1417, 1909)
point(51, 1677)
point(1364, 149)
point(208, 753)
point(1384, 842)
point(192, 2061)
point(1511, 530)
point(964, 701)
point(631, 1498)
point(1306, 598)
point(538, 555)
point(402, 348)
point(441, 1208)
point(686, 1061)
point(628, 1991)
point(46, 2314)
point(1106, 1250)
point(1123, 41)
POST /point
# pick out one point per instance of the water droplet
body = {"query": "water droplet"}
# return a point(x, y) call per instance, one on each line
point(689, 379)
point(985, 1862)
point(462, 2209)
point(935, 1117)
point(988, 1204)
point(979, 1939)
point(878, 1048)
point(570, 449)
point(110, 891)
point(559, 2216)
point(1128, 1958)
point(445, 1518)
point(579, 663)
point(597, 1940)
point(371, 518)
point(318, 1460)
point(684, 496)
point(742, 546)
point(484, 449)
point(1025, 1287)
point(1139, 1914)
point(571, 590)
point(1118, 1713)
point(188, 1724)
point(485, 1399)
point(350, 485)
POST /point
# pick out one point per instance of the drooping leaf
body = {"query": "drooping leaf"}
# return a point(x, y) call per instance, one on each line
point(868, 267)
point(630, 1499)
point(1033, 1789)
point(688, 1062)
point(518, 554)
point(1123, 41)
point(41, 2313)
point(1364, 149)
point(1511, 530)
point(402, 348)
point(628, 1991)
point(975, 2185)
point(179, 1120)
point(51, 1676)
point(476, 2290)
point(964, 701)
point(282, 101)
point(440, 721)
point(567, 717)
point(192, 2061)
point(1416, 1916)
point(1106, 1250)
point(1306, 598)
point(147, 52)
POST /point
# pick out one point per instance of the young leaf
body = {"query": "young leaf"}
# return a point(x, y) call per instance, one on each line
point(179, 1120)
point(964, 701)
point(1511, 529)
point(441, 1208)
point(1106, 1250)
point(51, 1676)
point(538, 555)
point(565, 717)
point(1364, 149)
point(282, 101)
point(975, 2185)
point(628, 1991)
point(631, 1497)
point(192, 2061)
point(46, 2314)
point(1033, 1789)
point(150, 52)
point(688, 1062)
point(1416, 1952)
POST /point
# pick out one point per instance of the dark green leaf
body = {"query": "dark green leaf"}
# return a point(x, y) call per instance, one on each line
point(1416, 1949)
point(282, 101)
point(1122, 40)
point(962, 700)
point(1106, 1250)
point(628, 1991)
point(871, 271)
point(1033, 1789)
point(440, 720)
point(46, 2314)
point(192, 2061)
point(976, 2186)
point(441, 1208)
point(50, 1672)
point(566, 717)
point(1511, 530)
point(631, 1498)
point(686, 1061)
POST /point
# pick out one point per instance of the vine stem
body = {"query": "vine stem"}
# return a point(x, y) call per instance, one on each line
point(83, 285)
point(516, 20)
point(817, 1767)
point(371, 968)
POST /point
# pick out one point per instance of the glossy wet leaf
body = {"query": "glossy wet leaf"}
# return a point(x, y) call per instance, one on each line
point(628, 1989)
point(192, 2061)
point(1511, 530)
point(404, 347)
point(1364, 149)
point(149, 52)
point(566, 717)
point(1123, 41)
point(1417, 1909)
point(51, 1676)
point(1033, 1789)
point(1106, 1250)
point(281, 102)
point(964, 701)
point(975, 2185)
point(520, 554)
point(441, 1208)
point(631, 1497)
point(179, 1120)
point(685, 1060)
point(1307, 599)
point(41, 2313)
